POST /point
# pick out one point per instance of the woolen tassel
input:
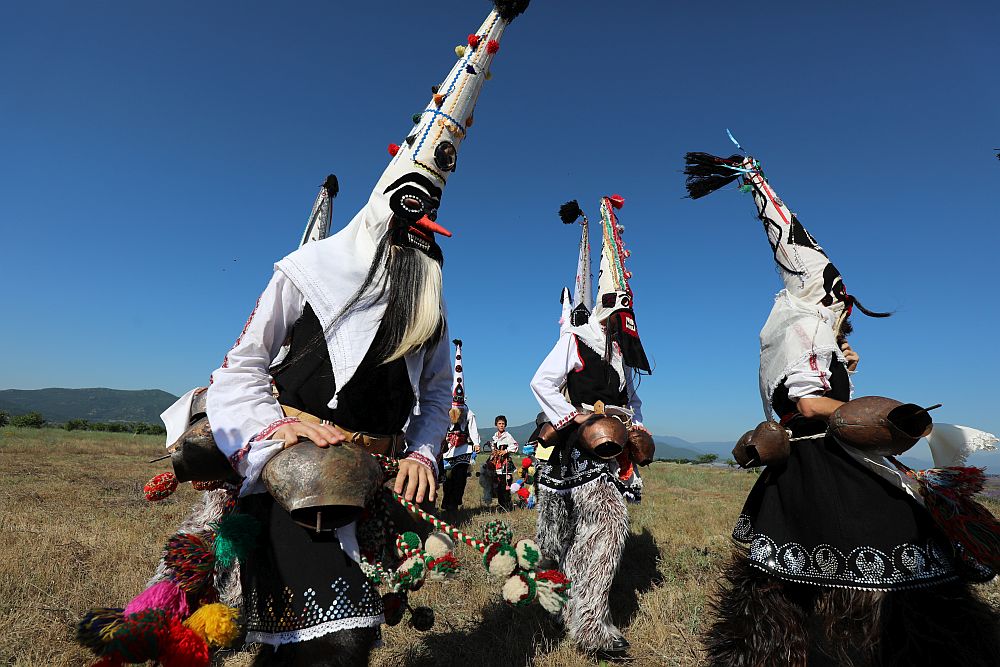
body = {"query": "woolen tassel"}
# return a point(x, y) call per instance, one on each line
point(183, 647)
point(469, 121)
point(235, 536)
point(215, 624)
point(190, 560)
point(164, 595)
point(98, 626)
point(509, 10)
point(160, 487)
point(416, 118)
point(570, 212)
point(617, 201)
point(139, 638)
point(492, 46)
point(460, 50)
point(438, 99)
point(473, 41)
point(707, 173)
point(393, 149)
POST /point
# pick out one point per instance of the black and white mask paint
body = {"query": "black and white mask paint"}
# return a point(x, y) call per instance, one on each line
point(806, 270)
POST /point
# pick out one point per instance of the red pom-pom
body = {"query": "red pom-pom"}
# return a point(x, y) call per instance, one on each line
point(160, 487)
point(617, 201)
point(492, 46)
point(525, 462)
point(393, 149)
point(184, 648)
point(473, 41)
point(523, 493)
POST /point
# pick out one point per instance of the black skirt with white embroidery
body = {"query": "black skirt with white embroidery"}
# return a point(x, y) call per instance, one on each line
point(820, 518)
point(299, 584)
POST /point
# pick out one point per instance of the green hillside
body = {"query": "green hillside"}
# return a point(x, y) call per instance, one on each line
point(96, 405)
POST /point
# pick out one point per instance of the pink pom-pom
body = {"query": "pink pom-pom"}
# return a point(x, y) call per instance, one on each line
point(164, 595)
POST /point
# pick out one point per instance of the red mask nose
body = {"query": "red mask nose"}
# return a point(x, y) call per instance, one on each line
point(428, 225)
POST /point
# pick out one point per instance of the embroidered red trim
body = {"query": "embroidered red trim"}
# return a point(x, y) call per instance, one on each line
point(424, 461)
point(272, 427)
point(565, 420)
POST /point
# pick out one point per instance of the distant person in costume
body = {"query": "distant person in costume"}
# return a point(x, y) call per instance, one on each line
point(842, 561)
point(503, 446)
point(461, 444)
point(586, 388)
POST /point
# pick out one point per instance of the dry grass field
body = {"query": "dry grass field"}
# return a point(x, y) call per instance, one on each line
point(76, 531)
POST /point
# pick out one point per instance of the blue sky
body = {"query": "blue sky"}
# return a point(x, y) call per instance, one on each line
point(157, 158)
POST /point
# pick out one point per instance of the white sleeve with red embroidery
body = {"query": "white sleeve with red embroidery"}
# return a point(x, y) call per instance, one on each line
point(550, 378)
point(428, 425)
point(634, 402)
point(810, 378)
point(241, 407)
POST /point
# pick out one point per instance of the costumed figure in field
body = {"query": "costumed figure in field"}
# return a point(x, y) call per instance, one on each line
point(590, 444)
point(503, 447)
point(461, 444)
point(845, 556)
point(363, 393)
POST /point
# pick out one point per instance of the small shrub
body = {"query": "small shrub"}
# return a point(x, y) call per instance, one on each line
point(30, 420)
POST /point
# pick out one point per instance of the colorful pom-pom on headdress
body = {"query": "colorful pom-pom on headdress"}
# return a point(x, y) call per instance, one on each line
point(160, 487)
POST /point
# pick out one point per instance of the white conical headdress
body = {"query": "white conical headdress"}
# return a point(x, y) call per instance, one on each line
point(614, 304)
point(321, 216)
point(458, 381)
point(583, 290)
point(565, 319)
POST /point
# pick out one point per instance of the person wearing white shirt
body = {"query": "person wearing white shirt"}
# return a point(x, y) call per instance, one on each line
point(502, 447)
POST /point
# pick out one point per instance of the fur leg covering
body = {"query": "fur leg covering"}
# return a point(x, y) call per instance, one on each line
point(592, 560)
point(757, 622)
point(555, 524)
point(210, 507)
point(942, 625)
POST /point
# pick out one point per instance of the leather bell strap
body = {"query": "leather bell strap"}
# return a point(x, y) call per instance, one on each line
point(389, 445)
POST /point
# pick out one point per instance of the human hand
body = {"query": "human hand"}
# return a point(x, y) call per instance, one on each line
point(418, 480)
point(581, 418)
point(321, 435)
point(475, 448)
point(639, 427)
point(850, 355)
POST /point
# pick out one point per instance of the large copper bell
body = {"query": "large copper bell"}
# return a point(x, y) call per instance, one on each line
point(194, 456)
point(603, 436)
point(768, 443)
point(322, 487)
point(880, 425)
point(641, 447)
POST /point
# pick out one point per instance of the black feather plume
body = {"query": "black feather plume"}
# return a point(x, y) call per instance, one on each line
point(570, 212)
point(510, 9)
point(332, 186)
point(457, 342)
point(869, 313)
point(707, 173)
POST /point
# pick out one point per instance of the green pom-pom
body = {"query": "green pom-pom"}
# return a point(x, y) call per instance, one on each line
point(412, 540)
point(416, 118)
point(497, 531)
point(235, 535)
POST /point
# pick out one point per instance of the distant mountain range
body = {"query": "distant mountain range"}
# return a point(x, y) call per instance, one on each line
point(119, 405)
point(96, 405)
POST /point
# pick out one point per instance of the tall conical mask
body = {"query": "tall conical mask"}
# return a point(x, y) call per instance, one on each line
point(583, 291)
point(566, 318)
point(407, 196)
point(614, 296)
point(321, 216)
point(806, 270)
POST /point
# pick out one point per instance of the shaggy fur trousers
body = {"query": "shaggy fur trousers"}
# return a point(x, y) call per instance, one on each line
point(585, 531)
point(761, 620)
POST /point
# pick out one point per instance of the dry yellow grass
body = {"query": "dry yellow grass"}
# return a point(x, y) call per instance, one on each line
point(76, 532)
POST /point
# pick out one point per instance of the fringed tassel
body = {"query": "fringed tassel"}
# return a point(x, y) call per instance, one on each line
point(947, 494)
point(215, 624)
point(98, 626)
point(235, 536)
point(707, 173)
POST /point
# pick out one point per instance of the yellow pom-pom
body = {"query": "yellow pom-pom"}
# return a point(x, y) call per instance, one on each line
point(460, 51)
point(489, 75)
point(215, 624)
